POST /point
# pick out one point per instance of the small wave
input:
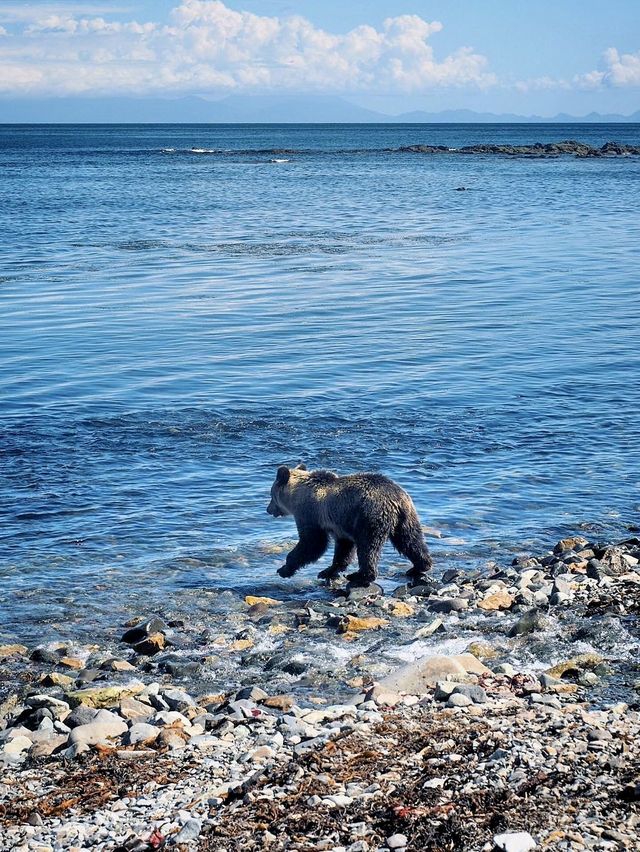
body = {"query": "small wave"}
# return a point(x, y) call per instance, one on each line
point(204, 151)
point(279, 160)
point(168, 150)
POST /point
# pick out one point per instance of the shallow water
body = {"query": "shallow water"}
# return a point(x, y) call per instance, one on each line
point(174, 325)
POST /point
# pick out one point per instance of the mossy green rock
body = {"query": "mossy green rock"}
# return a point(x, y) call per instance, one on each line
point(103, 696)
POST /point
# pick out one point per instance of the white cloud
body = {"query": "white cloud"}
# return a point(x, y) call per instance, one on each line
point(618, 71)
point(210, 48)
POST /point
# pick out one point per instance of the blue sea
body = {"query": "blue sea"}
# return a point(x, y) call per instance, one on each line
point(185, 307)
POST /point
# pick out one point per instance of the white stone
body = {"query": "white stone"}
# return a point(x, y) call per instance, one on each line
point(397, 841)
point(142, 732)
point(17, 745)
point(97, 731)
point(459, 700)
point(518, 841)
point(337, 801)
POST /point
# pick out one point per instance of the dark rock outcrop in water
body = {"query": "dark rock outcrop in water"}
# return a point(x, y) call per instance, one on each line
point(538, 150)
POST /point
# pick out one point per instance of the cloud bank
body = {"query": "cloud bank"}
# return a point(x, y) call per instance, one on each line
point(208, 47)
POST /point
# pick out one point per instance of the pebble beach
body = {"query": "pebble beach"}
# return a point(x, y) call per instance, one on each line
point(495, 709)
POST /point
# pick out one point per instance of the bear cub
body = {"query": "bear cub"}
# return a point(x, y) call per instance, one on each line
point(360, 512)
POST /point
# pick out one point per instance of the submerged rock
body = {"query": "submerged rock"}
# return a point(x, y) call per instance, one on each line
point(530, 622)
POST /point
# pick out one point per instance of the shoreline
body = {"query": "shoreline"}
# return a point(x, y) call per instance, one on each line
point(99, 748)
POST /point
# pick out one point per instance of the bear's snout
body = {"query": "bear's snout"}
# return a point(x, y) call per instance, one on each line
point(273, 510)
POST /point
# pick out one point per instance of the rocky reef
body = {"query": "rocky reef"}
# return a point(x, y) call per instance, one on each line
point(539, 150)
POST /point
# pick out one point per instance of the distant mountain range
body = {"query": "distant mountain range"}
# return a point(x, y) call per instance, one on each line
point(250, 109)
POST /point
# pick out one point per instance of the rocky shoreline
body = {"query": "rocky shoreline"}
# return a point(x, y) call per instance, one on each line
point(506, 743)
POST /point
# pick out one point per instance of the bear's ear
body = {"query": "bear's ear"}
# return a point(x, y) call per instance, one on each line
point(282, 477)
point(301, 466)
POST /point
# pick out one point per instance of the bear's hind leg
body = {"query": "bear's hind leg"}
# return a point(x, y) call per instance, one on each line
point(310, 548)
point(408, 539)
point(368, 558)
point(342, 556)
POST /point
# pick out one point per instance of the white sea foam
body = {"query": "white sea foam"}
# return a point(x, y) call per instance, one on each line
point(279, 160)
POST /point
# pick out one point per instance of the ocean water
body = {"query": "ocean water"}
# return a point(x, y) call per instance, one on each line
point(183, 308)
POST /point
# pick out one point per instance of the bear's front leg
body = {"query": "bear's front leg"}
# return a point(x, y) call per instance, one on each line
point(342, 556)
point(312, 544)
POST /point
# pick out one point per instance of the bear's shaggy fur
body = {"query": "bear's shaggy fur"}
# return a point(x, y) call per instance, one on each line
point(359, 512)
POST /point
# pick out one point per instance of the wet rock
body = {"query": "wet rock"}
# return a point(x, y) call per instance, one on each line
point(430, 628)
point(400, 609)
point(183, 669)
point(497, 601)
point(354, 624)
point(253, 600)
point(143, 631)
point(151, 645)
point(89, 676)
point(46, 655)
point(576, 542)
point(530, 622)
point(448, 605)
point(71, 662)
point(613, 561)
point(482, 651)
point(114, 665)
point(251, 693)
point(9, 651)
point(421, 590)
point(573, 667)
point(362, 593)
point(55, 679)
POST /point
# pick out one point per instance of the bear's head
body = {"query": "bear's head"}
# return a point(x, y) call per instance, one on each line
point(281, 490)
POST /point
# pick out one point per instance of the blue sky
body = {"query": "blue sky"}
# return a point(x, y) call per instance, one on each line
point(495, 55)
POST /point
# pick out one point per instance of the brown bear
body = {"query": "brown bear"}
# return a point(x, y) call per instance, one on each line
point(359, 512)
